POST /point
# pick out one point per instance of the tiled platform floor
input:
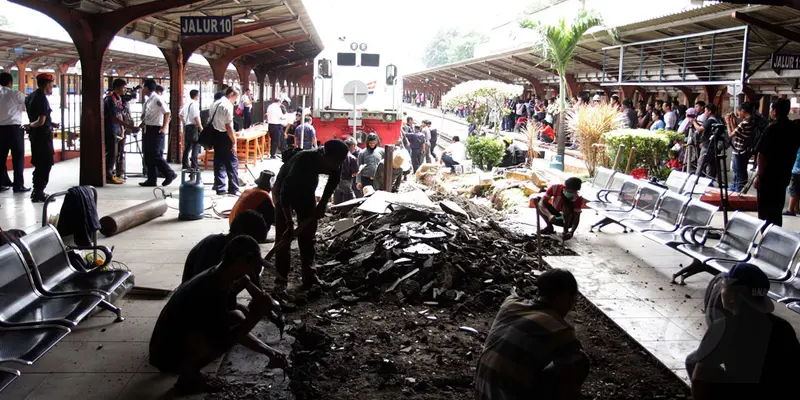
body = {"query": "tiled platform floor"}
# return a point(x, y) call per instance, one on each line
point(628, 277)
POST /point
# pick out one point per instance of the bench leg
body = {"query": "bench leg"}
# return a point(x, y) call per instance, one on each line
point(607, 221)
point(694, 268)
point(110, 307)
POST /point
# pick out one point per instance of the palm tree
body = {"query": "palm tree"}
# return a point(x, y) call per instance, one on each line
point(557, 46)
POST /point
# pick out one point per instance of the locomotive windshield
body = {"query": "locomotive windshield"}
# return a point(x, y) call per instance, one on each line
point(346, 59)
point(370, 60)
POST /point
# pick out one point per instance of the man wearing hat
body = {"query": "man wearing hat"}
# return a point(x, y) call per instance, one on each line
point(510, 158)
point(294, 191)
point(40, 131)
point(561, 205)
point(751, 353)
point(368, 162)
point(257, 199)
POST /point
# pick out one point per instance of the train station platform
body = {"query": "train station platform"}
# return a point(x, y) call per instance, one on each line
point(625, 275)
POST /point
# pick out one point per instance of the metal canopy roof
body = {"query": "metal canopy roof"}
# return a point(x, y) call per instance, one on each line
point(283, 23)
point(48, 53)
point(518, 65)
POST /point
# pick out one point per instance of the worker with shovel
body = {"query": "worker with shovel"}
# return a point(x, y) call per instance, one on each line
point(561, 205)
point(294, 191)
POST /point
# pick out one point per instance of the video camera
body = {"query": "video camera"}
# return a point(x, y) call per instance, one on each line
point(130, 93)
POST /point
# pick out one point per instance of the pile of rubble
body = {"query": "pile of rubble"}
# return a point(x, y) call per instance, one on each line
point(417, 251)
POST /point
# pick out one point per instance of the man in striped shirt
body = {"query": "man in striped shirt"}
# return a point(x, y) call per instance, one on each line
point(741, 127)
point(531, 351)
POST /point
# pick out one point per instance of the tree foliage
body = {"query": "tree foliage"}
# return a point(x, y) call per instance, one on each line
point(481, 98)
point(485, 152)
point(450, 45)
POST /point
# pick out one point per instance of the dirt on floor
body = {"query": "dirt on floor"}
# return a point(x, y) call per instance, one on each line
point(413, 323)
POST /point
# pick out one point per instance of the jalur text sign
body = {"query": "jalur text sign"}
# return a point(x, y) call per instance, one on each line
point(207, 26)
point(785, 61)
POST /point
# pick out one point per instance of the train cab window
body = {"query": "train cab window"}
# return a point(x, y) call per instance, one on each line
point(346, 59)
point(370, 60)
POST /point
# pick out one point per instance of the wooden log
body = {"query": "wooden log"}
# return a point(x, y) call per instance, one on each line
point(132, 217)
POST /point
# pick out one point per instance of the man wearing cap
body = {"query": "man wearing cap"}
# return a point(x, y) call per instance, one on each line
point(12, 105)
point(345, 191)
point(40, 132)
point(257, 199)
point(199, 324)
point(561, 205)
point(749, 354)
point(368, 162)
point(355, 151)
point(155, 120)
point(510, 158)
point(294, 191)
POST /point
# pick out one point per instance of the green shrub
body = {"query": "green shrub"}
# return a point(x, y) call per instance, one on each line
point(651, 148)
point(485, 151)
point(672, 136)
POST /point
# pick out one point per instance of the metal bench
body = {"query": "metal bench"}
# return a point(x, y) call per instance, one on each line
point(735, 244)
point(26, 344)
point(774, 254)
point(644, 208)
point(53, 273)
point(697, 214)
point(602, 179)
point(21, 303)
point(695, 187)
point(676, 181)
point(787, 291)
point(7, 375)
point(794, 307)
point(617, 181)
point(666, 217)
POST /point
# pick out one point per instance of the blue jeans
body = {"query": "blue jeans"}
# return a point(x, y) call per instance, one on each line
point(449, 162)
point(740, 162)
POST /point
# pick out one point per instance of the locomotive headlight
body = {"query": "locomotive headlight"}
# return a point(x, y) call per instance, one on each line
point(363, 47)
point(354, 46)
point(388, 117)
point(327, 116)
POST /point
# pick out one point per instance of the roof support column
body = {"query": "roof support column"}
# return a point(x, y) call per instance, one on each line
point(174, 58)
point(244, 74)
point(689, 94)
point(714, 94)
point(22, 65)
point(573, 86)
point(751, 95)
point(627, 92)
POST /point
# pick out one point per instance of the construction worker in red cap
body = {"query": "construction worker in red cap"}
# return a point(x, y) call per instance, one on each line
point(40, 131)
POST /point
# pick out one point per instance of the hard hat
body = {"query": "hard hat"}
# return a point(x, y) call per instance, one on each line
point(372, 137)
point(508, 139)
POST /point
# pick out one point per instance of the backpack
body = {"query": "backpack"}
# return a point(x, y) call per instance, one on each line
point(206, 138)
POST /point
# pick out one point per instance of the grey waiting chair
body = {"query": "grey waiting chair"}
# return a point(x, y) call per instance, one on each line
point(695, 187)
point(7, 375)
point(794, 307)
point(26, 344)
point(622, 199)
point(603, 177)
point(697, 213)
point(54, 274)
point(787, 291)
point(774, 254)
point(734, 246)
point(667, 215)
point(645, 206)
point(676, 181)
point(22, 304)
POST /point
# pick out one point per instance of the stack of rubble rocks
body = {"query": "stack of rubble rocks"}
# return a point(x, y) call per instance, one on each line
point(436, 256)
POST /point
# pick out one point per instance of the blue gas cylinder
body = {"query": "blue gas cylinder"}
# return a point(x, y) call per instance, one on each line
point(190, 202)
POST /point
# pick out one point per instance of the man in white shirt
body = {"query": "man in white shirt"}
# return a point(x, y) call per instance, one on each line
point(12, 105)
point(247, 108)
point(455, 154)
point(670, 118)
point(226, 163)
point(155, 120)
point(191, 130)
point(275, 124)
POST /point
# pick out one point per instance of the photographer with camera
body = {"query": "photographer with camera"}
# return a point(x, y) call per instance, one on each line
point(114, 120)
point(741, 142)
point(706, 162)
point(777, 151)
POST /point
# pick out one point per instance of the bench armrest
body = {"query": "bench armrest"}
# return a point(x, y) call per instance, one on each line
point(602, 195)
point(103, 249)
point(694, 230)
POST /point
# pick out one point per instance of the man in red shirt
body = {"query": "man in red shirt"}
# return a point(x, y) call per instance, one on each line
point(257, 199)
point(561, 205)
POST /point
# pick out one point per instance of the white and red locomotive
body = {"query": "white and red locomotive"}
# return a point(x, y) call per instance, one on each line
point(380, 113)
